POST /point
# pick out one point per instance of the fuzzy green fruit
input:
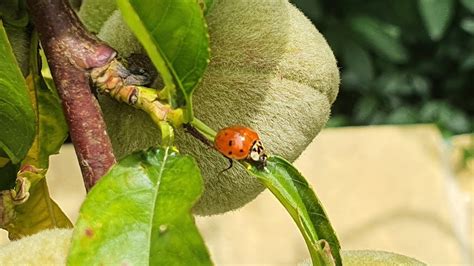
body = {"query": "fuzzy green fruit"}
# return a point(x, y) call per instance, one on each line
point(376, 257)
point(48, 247)
point(51, 247)
point(116, 33)
point(372, 257)
point(95, 12)
point(270, 70)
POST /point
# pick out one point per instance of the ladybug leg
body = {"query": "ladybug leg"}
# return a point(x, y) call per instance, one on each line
point(231, 163)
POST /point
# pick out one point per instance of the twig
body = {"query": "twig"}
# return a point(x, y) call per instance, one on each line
point(71, 51)
point(116, 81)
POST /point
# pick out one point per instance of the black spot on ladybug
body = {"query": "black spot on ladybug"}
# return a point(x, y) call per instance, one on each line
point(230, 153)
point(241, 150)
point(230, 142)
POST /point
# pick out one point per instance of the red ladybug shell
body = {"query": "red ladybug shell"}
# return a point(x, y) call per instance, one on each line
point(235, 142)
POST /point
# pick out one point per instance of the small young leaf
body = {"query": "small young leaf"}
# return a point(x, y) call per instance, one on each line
point(296, 195)
point(27, 208)
point(436, 15)
point(174, 34)
point(17, 119)
point(139, 213)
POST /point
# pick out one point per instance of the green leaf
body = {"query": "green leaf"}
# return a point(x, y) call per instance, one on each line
point(16, 114)
point(446, 116)
point(40, 212)
point(8, 173)
point(394, 83)
point(365, 108)
point(14, 13)
point(51, 126)
point(206, 5)
point(436, 15)
point(421, 85)
point(338, 121)
point(467, 24)
point(469, 4)
point(357, 60)
point(296, 195)
point(4, 160)
point(403, 115)
point(468, 63)
point(383, 38)
point(140, 214)
point(174, 34)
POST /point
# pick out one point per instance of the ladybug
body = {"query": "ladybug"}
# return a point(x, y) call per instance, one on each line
point(240, 143)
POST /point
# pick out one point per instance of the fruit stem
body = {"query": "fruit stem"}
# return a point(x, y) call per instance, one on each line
point(205, 130)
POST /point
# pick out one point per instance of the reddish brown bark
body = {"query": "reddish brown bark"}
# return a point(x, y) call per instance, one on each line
point(71, 51)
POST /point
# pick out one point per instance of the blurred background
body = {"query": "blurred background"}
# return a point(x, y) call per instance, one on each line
point(401, 62)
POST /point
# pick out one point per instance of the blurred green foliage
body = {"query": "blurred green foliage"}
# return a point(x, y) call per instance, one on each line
point(405, 61)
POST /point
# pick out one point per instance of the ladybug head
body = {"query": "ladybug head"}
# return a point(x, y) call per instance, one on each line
point(257, 154)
